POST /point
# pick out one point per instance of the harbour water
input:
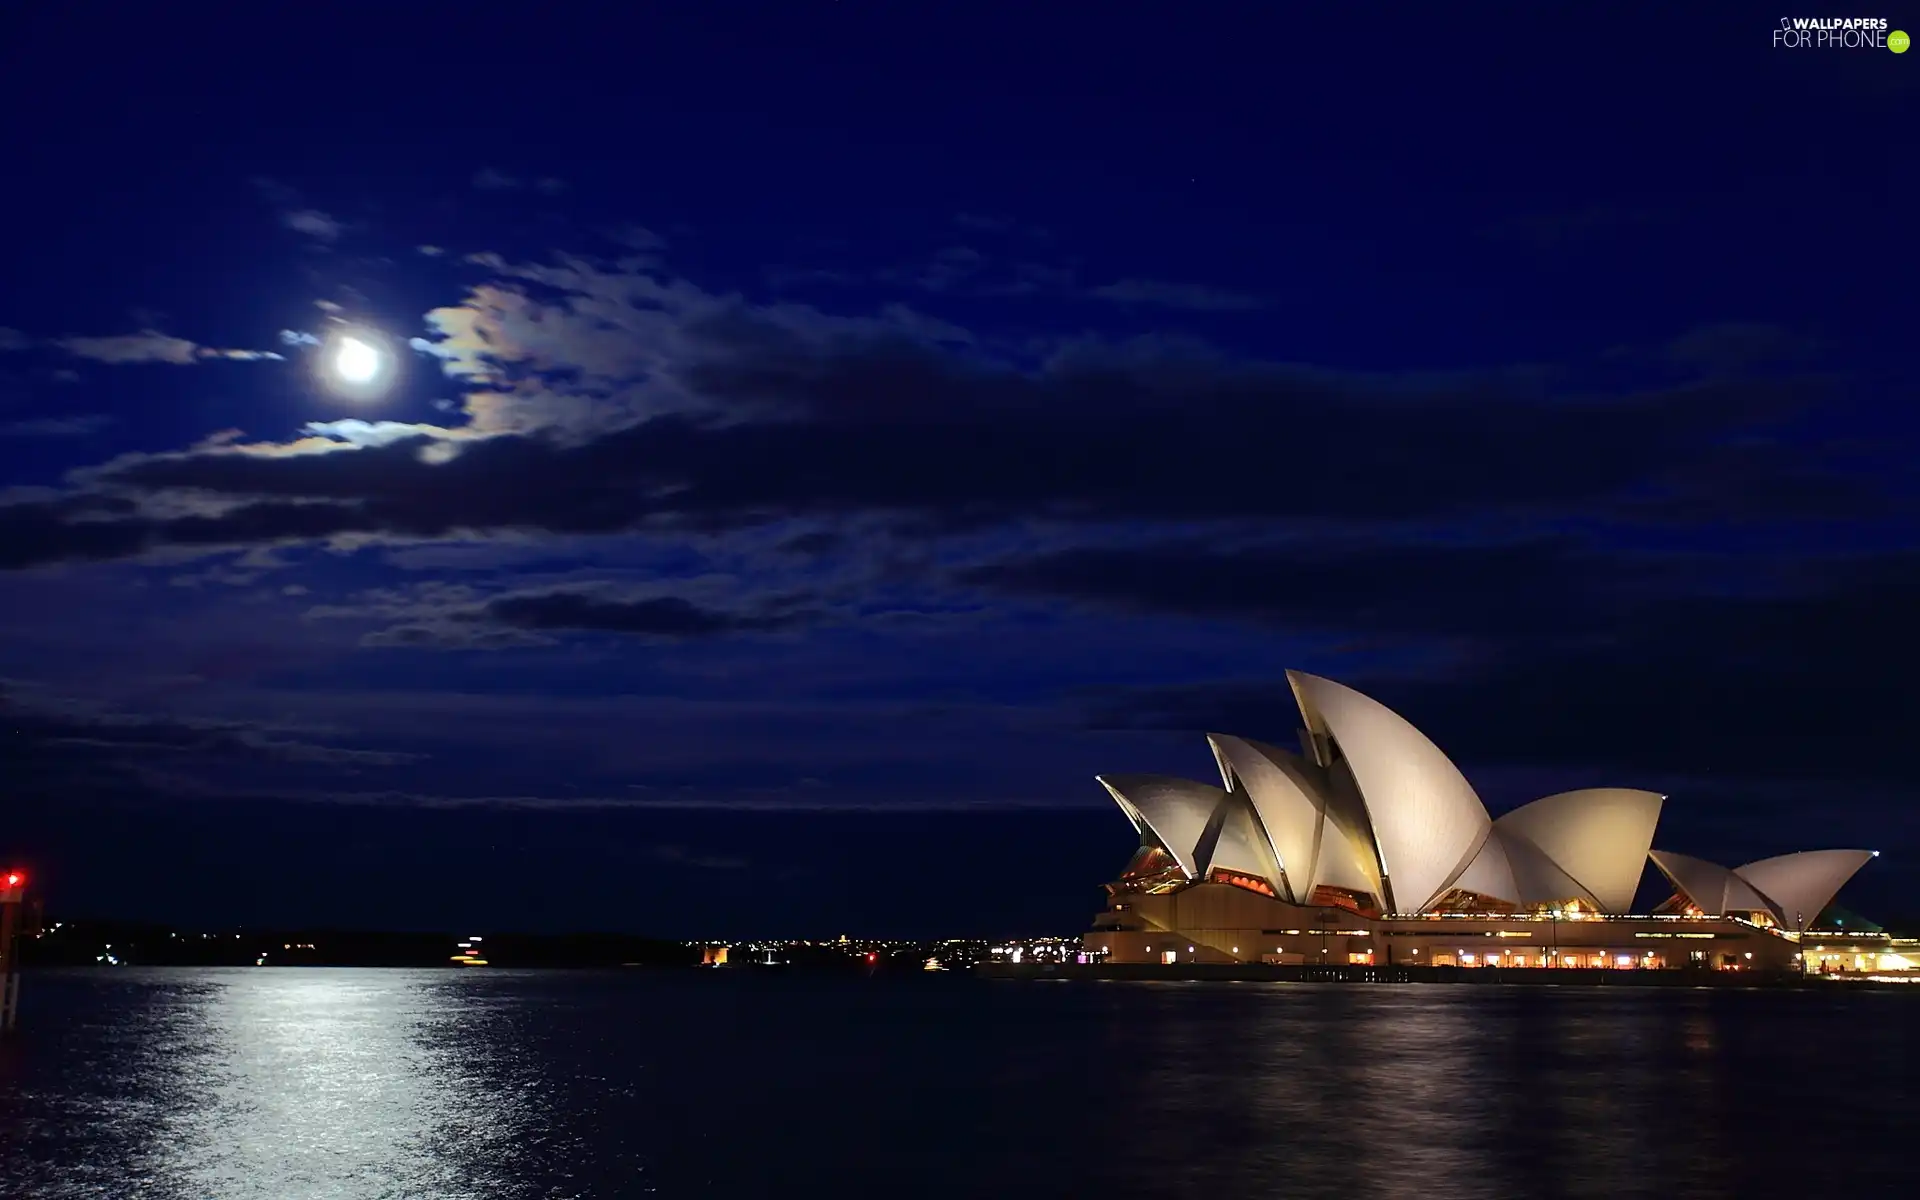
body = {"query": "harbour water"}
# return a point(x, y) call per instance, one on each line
point(137, 1083)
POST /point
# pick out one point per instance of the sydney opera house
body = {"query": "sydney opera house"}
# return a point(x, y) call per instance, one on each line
point(1369, 847)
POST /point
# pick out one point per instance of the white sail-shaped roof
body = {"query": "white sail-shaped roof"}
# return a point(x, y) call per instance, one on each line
point(1490, 873)
point(1598, 837)
point(1800, 885)
point(1374, 807)
point(1347, 861)
point(1349, 857)
point(1539, 879)
point(1174, 811)
point(1713, 889)
point(1284, 797)
point(1318, 833)
point(1426, 818)
point(1240, 844)
point(1513, 868)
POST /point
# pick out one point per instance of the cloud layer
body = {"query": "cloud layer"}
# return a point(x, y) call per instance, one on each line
point(1088, 533)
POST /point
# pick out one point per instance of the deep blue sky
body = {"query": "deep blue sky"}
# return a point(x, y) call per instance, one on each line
point(826, 434)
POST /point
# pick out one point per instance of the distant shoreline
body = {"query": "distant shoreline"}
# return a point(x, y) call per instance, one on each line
point(117, 944)
point(1117, 973)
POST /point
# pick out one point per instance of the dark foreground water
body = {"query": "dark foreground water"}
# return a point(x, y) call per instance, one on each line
point(315, 1083)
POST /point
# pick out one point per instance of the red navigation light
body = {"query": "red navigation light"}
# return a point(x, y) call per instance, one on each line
point(16, 878)
point(872, 957)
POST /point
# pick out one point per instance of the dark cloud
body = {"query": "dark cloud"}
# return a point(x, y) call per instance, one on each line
point(1571, 227)
point(1734, 347)
point(66, 748)
point(1385, 588)
point(913, 433)
point(452, 634)
point(813, 543)
point(1162, 294)
point(682, 857)
point(1260, 708)
point(653, 616)
point(1744, 686)
point(99, 527)
point(491, 179)
point(1753, 481)
point(78, 425)
point(1812, 685)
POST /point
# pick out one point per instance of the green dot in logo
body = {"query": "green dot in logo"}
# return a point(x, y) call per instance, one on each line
point(1898, 41)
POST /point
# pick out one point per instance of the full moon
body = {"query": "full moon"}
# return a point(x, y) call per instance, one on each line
point(355, 361)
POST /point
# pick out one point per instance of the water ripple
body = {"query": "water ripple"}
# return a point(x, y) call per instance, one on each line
point(243, 1084)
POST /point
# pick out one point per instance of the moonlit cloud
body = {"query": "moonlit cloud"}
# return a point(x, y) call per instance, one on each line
point(152, 346)
point(619, 343)
point(242, 355)
point(296, 214)
point(370, 433)
point(313, 223)
point(148, 346)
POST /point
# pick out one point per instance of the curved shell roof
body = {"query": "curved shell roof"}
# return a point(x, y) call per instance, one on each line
point(1375, 807)
point(1542, 881)
point(1174, 811)
point(1240, 844)
point(1427, 820)
point(1284, 798)
point(1802, 884)
point(1713, 889)
point(1599, 837)
point(1490, 873)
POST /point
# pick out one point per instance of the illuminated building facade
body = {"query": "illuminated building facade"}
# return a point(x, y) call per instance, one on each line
point(1369, 847)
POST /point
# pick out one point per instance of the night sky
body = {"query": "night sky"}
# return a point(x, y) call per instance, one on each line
point(822, 436)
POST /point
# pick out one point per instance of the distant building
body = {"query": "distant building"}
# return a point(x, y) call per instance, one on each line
point(1370, 847)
